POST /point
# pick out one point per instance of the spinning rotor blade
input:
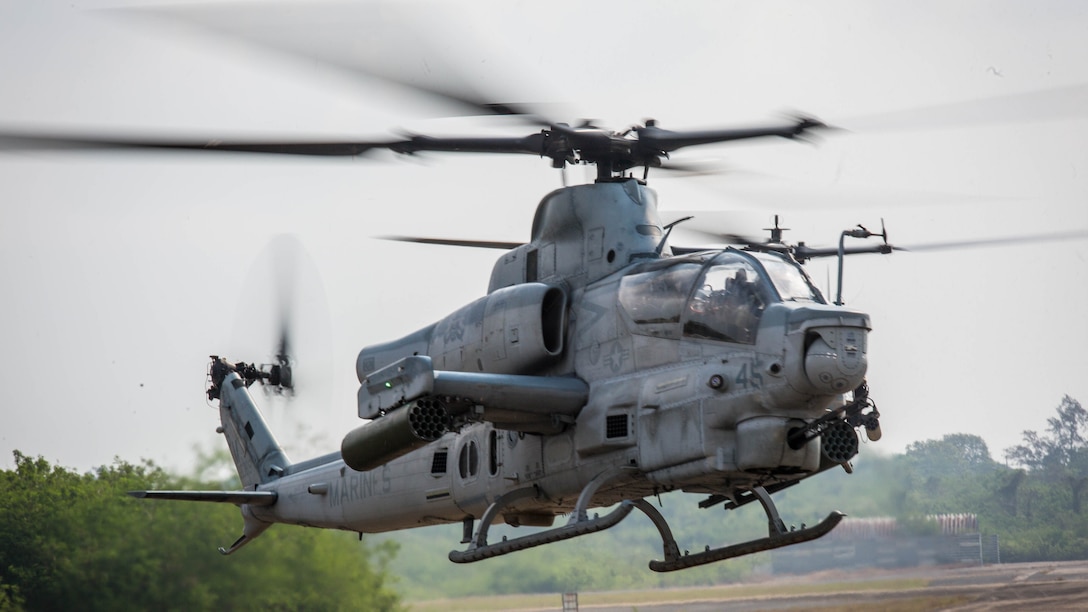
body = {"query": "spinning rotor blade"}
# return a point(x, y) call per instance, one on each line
point(718, 226)
point(723, 238)
point(285, 251)
point(613, 152)
point(653, 138)
point(482, 244)
point(281, 324)
point(990, 242)
point(695, 168)
point(25, 141)
point(804, 252)
point(372, 42)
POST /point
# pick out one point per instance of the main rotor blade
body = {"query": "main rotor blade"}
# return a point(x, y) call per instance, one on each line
point(374, 41)
point(533, 144)
point(654, 139)
point(28, 141)
point(482, 244)
point(694, 168)
point(723, 238)
point(991, 242)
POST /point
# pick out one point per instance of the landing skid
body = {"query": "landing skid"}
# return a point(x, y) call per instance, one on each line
point(771, 542)
point(580, 524)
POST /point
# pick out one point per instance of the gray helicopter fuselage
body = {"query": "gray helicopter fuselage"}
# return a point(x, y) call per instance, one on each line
point(595, 350)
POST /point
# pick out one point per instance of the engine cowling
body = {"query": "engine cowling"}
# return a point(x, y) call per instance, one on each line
point(514, 330)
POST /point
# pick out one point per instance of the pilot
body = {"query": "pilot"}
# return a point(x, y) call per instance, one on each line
point(740, 301)
point(737, 290)
point(741, 279)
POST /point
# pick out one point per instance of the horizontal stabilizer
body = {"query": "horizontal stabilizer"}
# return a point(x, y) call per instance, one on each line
point(238, 498)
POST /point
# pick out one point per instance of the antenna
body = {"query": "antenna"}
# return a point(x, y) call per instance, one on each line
point(668, 230)
point(776, 231)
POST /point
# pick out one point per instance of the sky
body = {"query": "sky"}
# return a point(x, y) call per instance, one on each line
point(123, 272)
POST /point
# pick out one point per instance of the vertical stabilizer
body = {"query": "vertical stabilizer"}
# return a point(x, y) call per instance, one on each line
point(257, 455)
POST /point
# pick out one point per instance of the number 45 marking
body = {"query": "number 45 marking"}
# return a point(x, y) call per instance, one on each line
point(749, 376)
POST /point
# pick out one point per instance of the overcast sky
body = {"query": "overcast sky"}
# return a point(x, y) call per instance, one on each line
point(121, 272)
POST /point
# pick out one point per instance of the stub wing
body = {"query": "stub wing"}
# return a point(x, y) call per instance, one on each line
point(409, 404)
point(506, 398)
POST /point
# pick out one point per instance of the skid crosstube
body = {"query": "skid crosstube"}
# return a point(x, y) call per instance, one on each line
point(580, 524)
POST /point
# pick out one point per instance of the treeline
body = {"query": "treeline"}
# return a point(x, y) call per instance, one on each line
point(1032, 500)
point(75, 541)
point(71, 541)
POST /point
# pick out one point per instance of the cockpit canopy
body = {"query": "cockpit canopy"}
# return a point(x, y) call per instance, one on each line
point(721, 298)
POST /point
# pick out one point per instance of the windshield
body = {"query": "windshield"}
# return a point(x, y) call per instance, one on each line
point(723, 299)
point(658, 296)
point(728, 300)
point(789, 280)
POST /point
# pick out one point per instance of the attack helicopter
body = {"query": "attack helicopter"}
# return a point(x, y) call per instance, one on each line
point(602, 367)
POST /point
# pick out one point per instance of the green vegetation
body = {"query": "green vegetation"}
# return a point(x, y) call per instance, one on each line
point(72, 541)
point(75, 541)
point(1060, 455)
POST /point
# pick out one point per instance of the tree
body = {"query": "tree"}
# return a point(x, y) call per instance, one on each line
point(946, 475)
point(76, 541)
point(956, 454)
point(1061, 452)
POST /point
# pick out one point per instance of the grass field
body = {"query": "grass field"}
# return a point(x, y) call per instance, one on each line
point(634, 599)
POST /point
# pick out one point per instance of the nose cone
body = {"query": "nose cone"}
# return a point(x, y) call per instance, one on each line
point(835, 361)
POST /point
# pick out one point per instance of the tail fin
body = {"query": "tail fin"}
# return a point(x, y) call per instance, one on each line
point(257, 455)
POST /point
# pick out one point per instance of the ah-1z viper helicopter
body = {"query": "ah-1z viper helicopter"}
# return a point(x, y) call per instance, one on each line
point(603, 366)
